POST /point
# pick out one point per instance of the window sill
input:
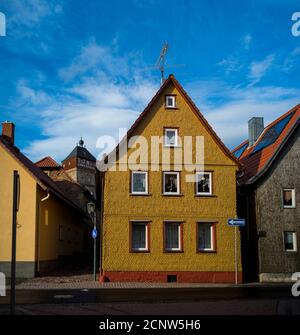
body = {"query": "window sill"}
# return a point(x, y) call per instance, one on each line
point(173, 251)
point(172, 146)
point(171, 108)
point(289, 207)
point(205, 196)
point(172, 195)
point(140, 194)
point(140, 251)
point(206, 251)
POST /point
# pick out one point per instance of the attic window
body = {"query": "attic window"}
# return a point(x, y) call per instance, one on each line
point(170, 101)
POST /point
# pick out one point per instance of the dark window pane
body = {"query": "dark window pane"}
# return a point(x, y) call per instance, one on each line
point(171, 183)
point(204, 236)
point(287, 198)
point(203, 183)
point(138, 236)
point(139, 182)
point(172, 236)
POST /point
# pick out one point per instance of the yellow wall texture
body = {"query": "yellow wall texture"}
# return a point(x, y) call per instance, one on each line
point(54, 213)
point(47, 215)
point(120, 207)
point(27, 210)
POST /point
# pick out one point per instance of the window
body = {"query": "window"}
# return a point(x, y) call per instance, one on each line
point(204, 183)
point(60, 233)
point(139, 236)
point(288, 198)
point(170, 101)
point(171, 137)
point(290, 241)
point(206, 237)
point(139, 182)
point(173, 236)
point(170, 183)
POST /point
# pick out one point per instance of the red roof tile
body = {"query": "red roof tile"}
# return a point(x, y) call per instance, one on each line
point(257, 162)
point(41, 178)
point(47, 162)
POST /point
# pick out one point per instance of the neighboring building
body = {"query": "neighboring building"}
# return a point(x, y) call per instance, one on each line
point(156, 225)
point(51, 225)
point(81, 166)
point(269, 197)
point(77, 192)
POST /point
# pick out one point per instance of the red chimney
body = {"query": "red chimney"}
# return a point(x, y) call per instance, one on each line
point(8, 131)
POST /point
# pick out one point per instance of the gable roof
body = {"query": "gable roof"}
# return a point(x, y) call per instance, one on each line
point(194, 108)
point(81, 152)
point(258, 158)
point(42, 179)
point(47, 162)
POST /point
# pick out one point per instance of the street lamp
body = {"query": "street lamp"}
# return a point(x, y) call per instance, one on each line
point(91, 209)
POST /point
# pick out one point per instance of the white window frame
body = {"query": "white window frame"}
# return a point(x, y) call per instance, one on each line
point(164, 182)
point(176, 137)
point(210, 183)
point(293, 197)
point(146, 225)
point(212, 237)
point(295, 248)
point(173, 97)
point(178, 224)
point(132, 184)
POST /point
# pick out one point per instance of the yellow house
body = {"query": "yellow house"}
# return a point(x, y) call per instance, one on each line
point(158, 223)
point(50, 226)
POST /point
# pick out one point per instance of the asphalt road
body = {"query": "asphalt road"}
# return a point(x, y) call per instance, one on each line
point(153, 295)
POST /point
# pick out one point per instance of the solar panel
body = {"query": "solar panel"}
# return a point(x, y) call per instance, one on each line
point(238, 153)
point(272, 134)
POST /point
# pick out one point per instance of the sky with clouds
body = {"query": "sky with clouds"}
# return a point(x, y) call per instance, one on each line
point(85, 68)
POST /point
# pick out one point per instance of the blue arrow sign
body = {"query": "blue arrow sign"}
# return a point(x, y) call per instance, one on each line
point(94, 233)
point(237, 222)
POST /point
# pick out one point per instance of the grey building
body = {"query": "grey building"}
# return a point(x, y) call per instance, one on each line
point(269, 198)
point(80, 164)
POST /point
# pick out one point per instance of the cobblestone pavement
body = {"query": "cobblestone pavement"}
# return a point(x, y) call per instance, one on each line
point(86, 281)
point(82, 281)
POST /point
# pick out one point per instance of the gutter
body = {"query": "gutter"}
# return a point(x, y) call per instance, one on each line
point(38, 230)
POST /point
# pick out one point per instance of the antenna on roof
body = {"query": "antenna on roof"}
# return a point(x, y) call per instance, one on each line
point(161, 62)
point(81, 142)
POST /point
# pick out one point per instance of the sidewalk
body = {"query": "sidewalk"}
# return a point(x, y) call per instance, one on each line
point(86, 282)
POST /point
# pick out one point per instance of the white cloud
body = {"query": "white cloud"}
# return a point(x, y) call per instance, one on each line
point(228, 108)
point(97, 100)
point(259, 68)
point(231, 64)
point(291, 59)
point(30, 12)
point(102, 92)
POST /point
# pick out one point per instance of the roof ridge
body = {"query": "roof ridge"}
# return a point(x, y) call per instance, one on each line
point(36, 172)
point(171, 78)
point(240, 145)
point(45, 158)
point(270, 125)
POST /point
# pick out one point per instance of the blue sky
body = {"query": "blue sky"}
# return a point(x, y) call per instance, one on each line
point(83, 68)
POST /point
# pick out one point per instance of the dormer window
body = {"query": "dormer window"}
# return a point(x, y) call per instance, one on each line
point(170, 101)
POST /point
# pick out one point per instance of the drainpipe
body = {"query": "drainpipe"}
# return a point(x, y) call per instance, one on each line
point(101, 276)
point(38, 229)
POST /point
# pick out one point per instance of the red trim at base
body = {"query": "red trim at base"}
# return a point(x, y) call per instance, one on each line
point(182, 276)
